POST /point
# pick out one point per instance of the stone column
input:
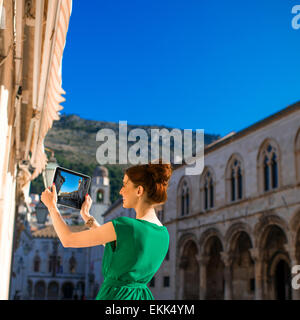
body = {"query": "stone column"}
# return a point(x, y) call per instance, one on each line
point(227, 260)
point(181, 267)
point(203, 261)
point(198, 258)
point(258, 264)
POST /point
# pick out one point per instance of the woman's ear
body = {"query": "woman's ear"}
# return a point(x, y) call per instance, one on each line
point(140, 190)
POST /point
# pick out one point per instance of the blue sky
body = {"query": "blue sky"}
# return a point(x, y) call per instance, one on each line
point(71, 182)
point(214, 65)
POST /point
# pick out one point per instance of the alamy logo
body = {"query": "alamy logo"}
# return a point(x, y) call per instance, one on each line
point(296, 278)
point(138, 152)
point(296, 18)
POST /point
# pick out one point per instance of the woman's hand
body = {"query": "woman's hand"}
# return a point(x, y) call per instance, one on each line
point(85, 208)
point(48, 197)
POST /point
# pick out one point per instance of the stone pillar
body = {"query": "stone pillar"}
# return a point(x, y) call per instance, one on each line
point(182, 266)
point(258, 264)
point(198, 258)
point(203, 261)
point(227, 260)
point(294, 262)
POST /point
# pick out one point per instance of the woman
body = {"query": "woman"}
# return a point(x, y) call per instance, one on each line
point(135, 247)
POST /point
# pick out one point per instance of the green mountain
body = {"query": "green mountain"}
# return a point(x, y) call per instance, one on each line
point(73, 141)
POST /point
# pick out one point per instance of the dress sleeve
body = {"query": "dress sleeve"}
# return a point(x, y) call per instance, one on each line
point(124, 232)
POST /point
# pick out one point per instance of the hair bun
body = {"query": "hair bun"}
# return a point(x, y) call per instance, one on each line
point(154, 177)
point(161, 172)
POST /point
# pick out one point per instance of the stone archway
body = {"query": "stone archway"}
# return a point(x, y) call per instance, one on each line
point(214, 270)
point(243, 277)
point(53, 290)
point(279, 277)
point(190, 272)
point(67, 290)
point(282, 280)
point(274, 250)
point(39, 290)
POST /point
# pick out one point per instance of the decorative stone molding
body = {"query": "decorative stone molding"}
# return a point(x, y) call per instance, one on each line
point(233, 231)
point(211, 232)
point(264, 222)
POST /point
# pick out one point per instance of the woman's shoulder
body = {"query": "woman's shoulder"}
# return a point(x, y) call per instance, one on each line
point(123, 220)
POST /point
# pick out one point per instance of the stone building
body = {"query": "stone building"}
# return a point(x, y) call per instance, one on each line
point(44, 270)
point(235, 228)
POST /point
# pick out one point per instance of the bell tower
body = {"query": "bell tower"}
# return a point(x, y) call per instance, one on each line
point(100, 193)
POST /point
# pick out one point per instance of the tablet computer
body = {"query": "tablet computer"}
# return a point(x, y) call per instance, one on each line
point(71, 187)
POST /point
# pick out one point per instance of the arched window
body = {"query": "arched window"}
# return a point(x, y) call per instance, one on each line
point(50, 261)
point(184, 198)
point(266, 174)
point(72, 264)
point(207, 189)
point(187, 200)
point(36, 264)
point(58, 265)
point(57, 261)
point(100, 196)
point(240, 183)
point(268, 166)
point(39, 290)
point(274, 171)
point(53, 290)
point(235, 178)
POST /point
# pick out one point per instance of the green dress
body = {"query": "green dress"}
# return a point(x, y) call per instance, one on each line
point(131, 261)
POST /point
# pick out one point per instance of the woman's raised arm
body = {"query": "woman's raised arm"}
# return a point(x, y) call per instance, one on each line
point(93, 237)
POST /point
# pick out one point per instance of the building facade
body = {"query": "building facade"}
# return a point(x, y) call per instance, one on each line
point(44, 270)
point(235, 228)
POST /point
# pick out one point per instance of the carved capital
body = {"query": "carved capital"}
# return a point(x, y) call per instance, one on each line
point(226, 258)
point(256, 254)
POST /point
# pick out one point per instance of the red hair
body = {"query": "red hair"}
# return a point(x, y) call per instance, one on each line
point(154, 177)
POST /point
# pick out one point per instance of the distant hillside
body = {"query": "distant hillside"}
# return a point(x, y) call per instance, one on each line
point(73, 141)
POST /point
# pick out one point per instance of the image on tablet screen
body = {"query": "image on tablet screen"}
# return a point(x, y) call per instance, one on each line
point(71, 188)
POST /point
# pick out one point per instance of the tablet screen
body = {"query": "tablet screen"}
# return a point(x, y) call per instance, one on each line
point(71, 187)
